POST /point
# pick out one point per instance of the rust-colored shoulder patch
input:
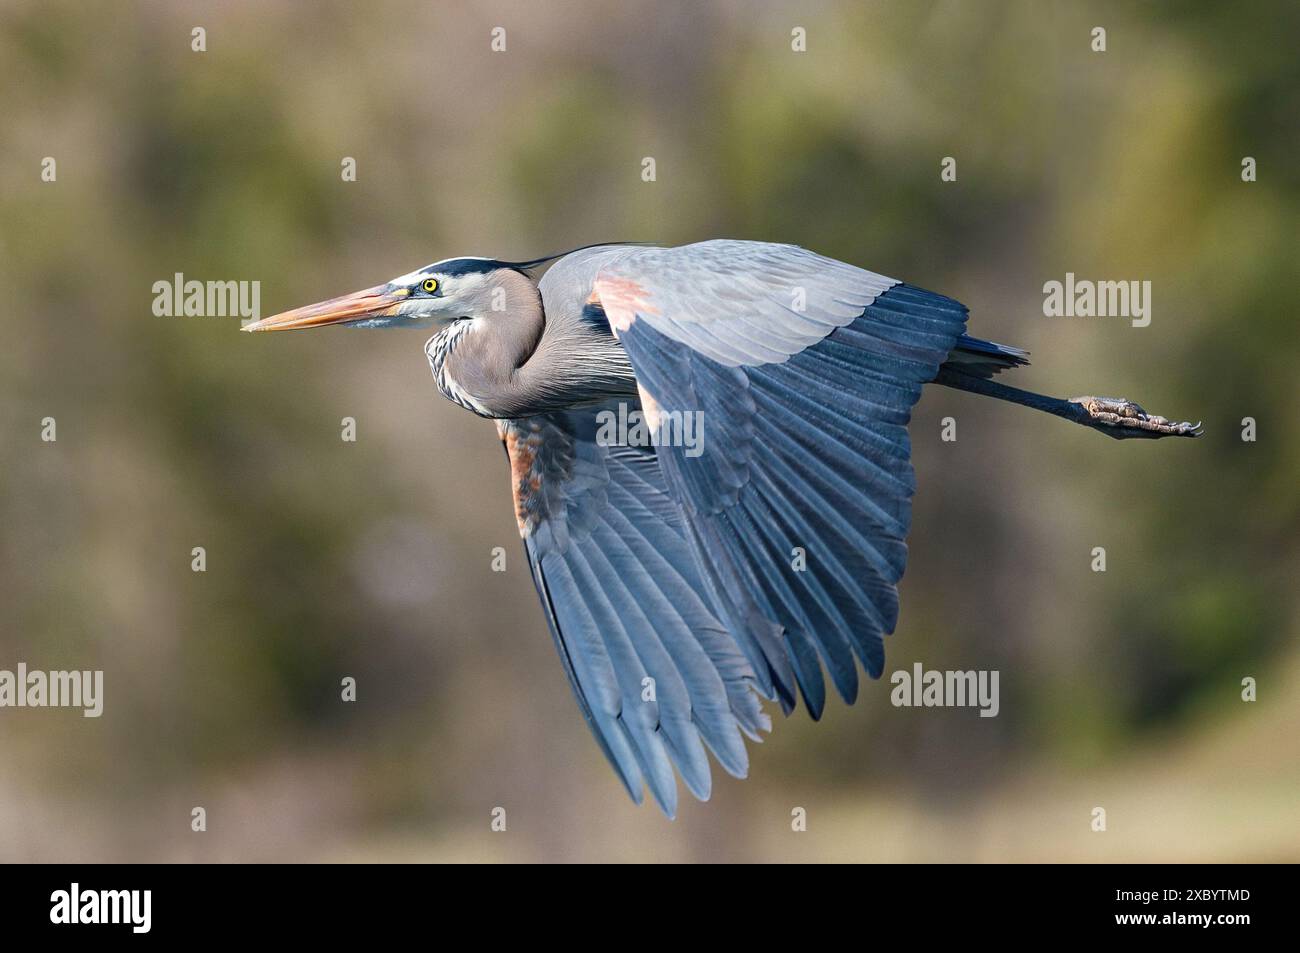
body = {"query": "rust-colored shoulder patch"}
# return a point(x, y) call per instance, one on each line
point(523, 440)
point(621, 298)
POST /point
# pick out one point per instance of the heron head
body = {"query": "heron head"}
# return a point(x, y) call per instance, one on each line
point(433, 296)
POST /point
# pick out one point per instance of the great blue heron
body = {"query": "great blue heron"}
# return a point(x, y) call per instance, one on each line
point(666, 570)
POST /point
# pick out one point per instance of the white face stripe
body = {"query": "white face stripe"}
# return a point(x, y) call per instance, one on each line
point(421, 273)
point(453, 288)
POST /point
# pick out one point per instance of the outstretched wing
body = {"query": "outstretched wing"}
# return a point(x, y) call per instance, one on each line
point(737, 303)
point(801, 372)
point(656, 675)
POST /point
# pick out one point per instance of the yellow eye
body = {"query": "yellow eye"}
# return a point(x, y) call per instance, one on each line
point(430, 285)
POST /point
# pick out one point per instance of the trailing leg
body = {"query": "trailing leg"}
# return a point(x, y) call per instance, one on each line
point(1113, 416)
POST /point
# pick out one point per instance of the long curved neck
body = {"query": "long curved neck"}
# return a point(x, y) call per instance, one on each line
point(510, 360)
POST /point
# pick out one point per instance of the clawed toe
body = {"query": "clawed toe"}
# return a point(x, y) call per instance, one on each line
point(1123, 418)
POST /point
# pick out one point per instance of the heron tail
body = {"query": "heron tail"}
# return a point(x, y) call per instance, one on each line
point(979, 358)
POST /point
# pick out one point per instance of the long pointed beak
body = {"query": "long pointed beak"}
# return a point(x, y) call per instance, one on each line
point(370, 303)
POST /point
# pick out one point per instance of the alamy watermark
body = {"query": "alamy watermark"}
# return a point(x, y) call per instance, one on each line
point(946, 689)
point(651, 427)
point(1082, 298)
point(207, 299)
point(75, 905)
point(55, 689)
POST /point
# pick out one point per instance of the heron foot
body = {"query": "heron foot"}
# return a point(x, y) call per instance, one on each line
point(1122, 418)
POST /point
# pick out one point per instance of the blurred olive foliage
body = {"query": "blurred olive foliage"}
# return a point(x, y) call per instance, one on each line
point(371, 559)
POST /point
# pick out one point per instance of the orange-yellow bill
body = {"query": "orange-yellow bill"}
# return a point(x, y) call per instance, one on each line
point(370, 303)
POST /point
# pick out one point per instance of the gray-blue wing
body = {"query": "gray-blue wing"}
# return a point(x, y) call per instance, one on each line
point(739, 303)
point(656, 675)
point(800, 502)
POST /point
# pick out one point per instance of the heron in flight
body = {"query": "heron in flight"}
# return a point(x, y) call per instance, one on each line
point(685, 583)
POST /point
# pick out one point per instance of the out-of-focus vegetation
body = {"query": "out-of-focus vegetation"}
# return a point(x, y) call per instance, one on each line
point(327, 559)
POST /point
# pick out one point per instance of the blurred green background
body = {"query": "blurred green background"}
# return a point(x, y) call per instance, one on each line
point(372, 559)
